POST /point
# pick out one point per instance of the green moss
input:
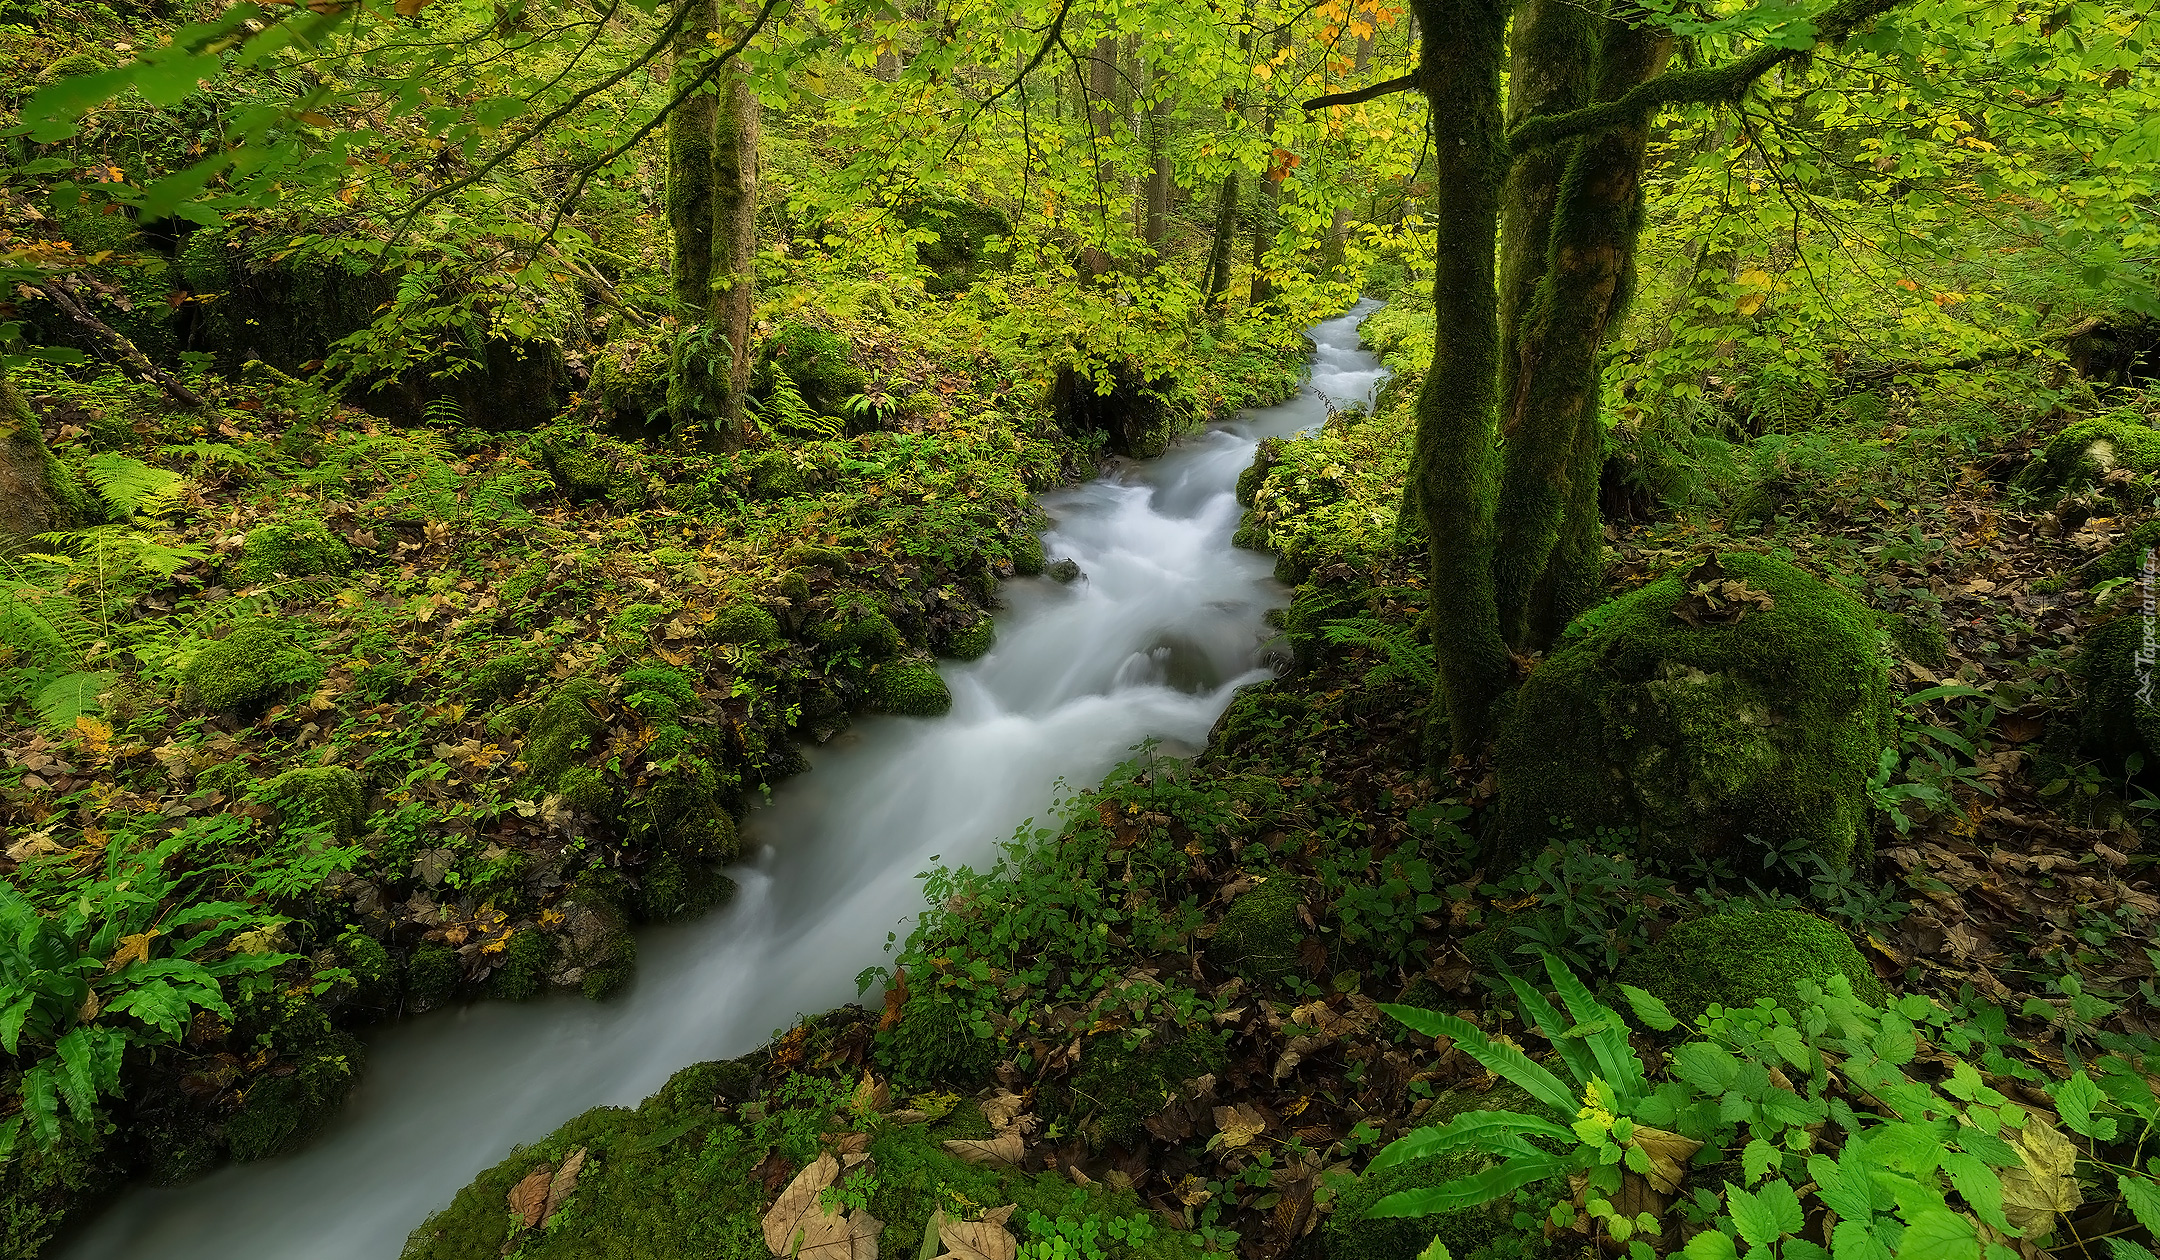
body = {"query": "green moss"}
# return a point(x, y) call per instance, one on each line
point(1258, 937)
point(674, 888)
point(910, 688)
point(278, 1113)
point(295, 549)
point(1255, 475)
point(636, 621)
point(2117, 716)
point(584, 788)
point(373, 970)
point(972, 640)
point(816, 360)
point(1118, 1087)
point(743, 623)
point(810, 556)
point(431, 976)
point(2087, 450)
point(588, 467)
point(330, 795)
point(562, 730)
point(862, 629)
point(1738, 958)
point(630, 378)
point(42, 1190)
point(500, 677)
point(772, 475)
point(1685, 740)
point(525, 966)
point(1065, 570)
point(257, 661)
point(2125, 559)
point(1027, 555)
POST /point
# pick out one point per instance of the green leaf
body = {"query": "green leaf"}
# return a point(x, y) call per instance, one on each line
point(1435, 1250)
point(1609, 1040)
point(1573, 1054)
point(1978, 1184)
point(157, 1004)
point(1650, 1010)
point(1465, 1192)
point(1501, 1060)
point(1710, 1245)
point(1939, 1235)
point(2075, 1100)
point(1783, 1202)
point(1710, 1068)
point(1500, 1132)
point(1759, 1158)
point(2124, 1249)
point(2143, 1198)
point(11, 1020)
point(1855, 1239)
point(1758, 1222)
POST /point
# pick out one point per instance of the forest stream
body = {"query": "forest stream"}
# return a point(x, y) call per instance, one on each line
point(1164, 624)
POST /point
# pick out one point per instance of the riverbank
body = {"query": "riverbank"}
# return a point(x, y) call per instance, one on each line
point(1200, 1034)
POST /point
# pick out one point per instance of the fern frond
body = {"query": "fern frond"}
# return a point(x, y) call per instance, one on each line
point(790, 414)
point(129, 486)
point(46, 626)
point(443, 411)
point(1407, 660)
point(71, 696)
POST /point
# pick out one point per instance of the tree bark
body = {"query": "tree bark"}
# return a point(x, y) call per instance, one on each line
point(738, 126)
point(1453, 457)
point(115, 348)
point(1218, 264)
point(1546, 563)
point(712, 209)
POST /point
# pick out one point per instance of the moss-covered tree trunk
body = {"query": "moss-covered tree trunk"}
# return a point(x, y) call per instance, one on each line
point(1217, 278)
point(1453, 464)
point(712, 209)
point(1546, 562)
point(37, 494)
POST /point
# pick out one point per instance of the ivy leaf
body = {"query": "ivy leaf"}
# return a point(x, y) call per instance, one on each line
point(1939, 1234)
point(1650, 1010)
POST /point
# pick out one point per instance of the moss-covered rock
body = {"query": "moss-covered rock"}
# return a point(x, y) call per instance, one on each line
point(332, 796)
point(280, 1112)
point(772, 475)
point(1027, 555)
point(596, 952)
point(972, 640)
point(630, 378)
point(862, 628)
point(910, 688)
point(431, 977)
point(673, 888)
point(813, 556)
point(1737, 701)
point(744, 623)
point(562, 729)
point(2086, 451)
point(1258, 937)
point(255, 662)
point(1117, 1087)
point(304, 548)
point(2117, 717)
point(37, 492)
point(590, 468)
point(2125, 559)
point(502, 675)
point(1920, 638)
point(1064, 569)
point(527, 961)
point(1737, 958)
point(816, 360)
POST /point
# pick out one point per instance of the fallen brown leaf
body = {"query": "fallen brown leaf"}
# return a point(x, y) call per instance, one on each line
point(528, 1198)
point(1007, 1148)
point(564, 1182)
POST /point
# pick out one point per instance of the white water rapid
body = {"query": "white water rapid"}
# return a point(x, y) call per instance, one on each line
point(1165, 625)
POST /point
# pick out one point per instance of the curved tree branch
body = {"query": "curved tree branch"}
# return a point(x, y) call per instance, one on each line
point(1720, 85)
point(1402, 84)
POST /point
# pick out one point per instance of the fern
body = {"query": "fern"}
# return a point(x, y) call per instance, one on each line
point(72, 695)
point(129, 486)
point(215, 453)
point(786, 412)
point(1407, 660)
point(443, 411)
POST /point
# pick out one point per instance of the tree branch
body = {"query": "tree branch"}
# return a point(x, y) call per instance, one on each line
point(115, 347)
point(1363, 94)
point(1722, 85)
point(2014, 350)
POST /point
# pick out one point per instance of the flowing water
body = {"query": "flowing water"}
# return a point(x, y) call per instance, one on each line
point(1150, 643)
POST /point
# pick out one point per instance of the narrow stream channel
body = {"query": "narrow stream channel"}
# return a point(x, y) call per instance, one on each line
point(1165, 625)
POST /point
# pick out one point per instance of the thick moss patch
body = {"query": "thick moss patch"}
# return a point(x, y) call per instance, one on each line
point(1759, 723)
point(561, 732)
point(1739, 958)
point(2118, 716)
point(255, 662)
point(2088, 450)
point(330, 795)
point(1258, 937)
point(300, 549)
point(911, 689)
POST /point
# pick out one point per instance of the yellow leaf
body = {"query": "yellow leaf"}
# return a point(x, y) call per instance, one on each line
point(132, 949)
point(96, 735)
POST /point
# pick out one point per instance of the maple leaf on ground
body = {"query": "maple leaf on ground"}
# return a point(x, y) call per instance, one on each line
point(986, 1239)
point(2041, 1186)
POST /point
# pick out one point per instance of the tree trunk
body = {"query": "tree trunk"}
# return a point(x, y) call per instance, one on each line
point(712, 209)
point(1218, 263)
point(37, 495)
point(1452, 462)
point(1547, 566)
point(1263, 238)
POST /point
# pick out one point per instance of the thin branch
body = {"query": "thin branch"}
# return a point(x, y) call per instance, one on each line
point(117, 348)
point(1401, 84)
point(707, 75)
point(1054, 37)
point(1723, 85)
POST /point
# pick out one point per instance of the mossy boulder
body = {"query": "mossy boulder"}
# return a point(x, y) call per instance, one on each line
point(772, 475)
point(1118, 1086)
point(911, 689)
point(526, 963)
point(281, 1112)
point(862, 629)
point(2087, 450)
point(590, 468)
point(596, 953)
point(562, 730)
point(296, 549)
point(37, 492)
point(1740, 957)
point(1919, 637)
point(630, 378)
point(332, 796)
point(972, 640)
point(1258, 936)
point(255, 662)
point(1027, 555)
point(744, 623)
point(1738, 701)
point(964, 240)
point(2125, 559)
point(817, 360)
point(499, 676)
point(2118, 717)
point(673, 888)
